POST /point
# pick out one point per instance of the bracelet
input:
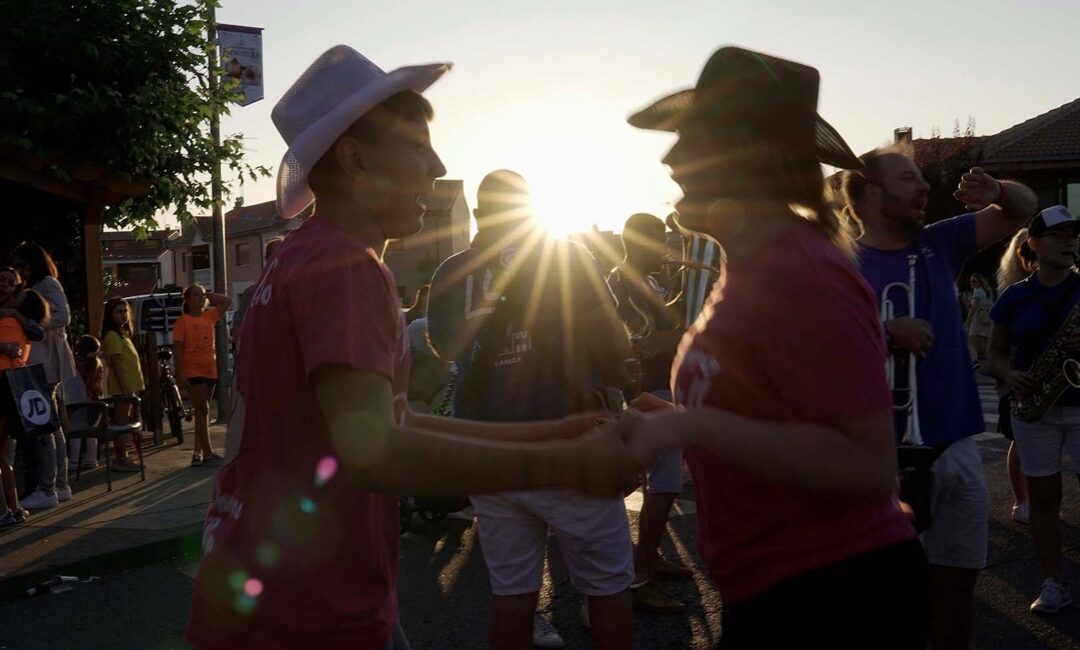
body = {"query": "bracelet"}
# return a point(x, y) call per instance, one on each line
point(1001, 194)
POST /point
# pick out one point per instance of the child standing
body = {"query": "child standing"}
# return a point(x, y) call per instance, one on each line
point(91, 387)
point(125, 372)
point(196, 362)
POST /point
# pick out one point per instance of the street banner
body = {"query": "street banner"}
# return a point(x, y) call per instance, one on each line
point(241, 59)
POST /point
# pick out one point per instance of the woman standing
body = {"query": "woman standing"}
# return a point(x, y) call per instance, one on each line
point(783, 406)
point(1027, 319)
point(38, 269)
point(125, 373)
point(1017, 263)
point(196, 362)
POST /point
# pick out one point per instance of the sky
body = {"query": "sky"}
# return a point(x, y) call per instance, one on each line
point(544, 88)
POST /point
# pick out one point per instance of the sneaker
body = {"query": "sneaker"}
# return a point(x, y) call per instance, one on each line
point(1021, 513)
point(196, 459)
point(63, 494)
point(667, 570)
point(8, 519)
point(125, 465)
point(1053, 597)
point(544, 633)
point(73, 464)
point(38, 500)
point(213, 460)
point(21, 514)
point(651, 598)
point(89, 463)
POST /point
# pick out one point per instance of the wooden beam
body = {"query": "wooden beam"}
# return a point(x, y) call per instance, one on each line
point(95, 283)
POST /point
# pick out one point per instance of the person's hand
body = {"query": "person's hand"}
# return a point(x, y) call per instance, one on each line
point(648, 403)
point(911, 335)
point(601, 463)
point(574, 425)
point(977, 189)
point(647, 435)
point(1021, 382)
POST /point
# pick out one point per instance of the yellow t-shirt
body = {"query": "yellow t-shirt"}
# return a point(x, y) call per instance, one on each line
point(112, 345)
point(197, 334)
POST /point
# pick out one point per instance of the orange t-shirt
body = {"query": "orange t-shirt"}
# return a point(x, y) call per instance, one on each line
point(11, 331)
point(197, 334)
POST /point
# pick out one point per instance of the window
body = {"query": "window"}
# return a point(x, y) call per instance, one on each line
point(243, 254)
point(1072, 197)
point(200, 259)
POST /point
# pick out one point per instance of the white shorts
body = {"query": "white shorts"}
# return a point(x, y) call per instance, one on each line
point(960, 509)
point(666, 475)
point(1040, 443)
point(593, 534)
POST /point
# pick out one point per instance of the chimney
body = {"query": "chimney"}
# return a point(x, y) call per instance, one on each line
point(902, 135)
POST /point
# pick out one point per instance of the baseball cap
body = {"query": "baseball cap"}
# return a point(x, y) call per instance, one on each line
point(1056, 217)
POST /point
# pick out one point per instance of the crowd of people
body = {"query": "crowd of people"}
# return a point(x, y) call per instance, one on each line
point(34, 321)
point(838, 503)
point(773, 389)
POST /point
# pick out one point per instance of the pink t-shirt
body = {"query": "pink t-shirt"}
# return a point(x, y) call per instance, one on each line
point(296, 555)
point(789, 335)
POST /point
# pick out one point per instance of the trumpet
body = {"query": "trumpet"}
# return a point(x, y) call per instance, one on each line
point(912, 434)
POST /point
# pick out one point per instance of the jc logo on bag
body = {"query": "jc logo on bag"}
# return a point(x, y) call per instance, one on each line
point(34, 407)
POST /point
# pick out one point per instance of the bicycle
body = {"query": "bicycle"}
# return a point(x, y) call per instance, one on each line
point(172, 402)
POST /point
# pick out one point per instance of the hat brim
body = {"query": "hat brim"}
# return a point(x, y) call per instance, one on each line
point(293, 191)
point(671, 112)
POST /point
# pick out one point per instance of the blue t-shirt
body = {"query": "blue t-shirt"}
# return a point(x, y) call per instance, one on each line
point(527, 380)
point(1033, 312)
point(949, 408)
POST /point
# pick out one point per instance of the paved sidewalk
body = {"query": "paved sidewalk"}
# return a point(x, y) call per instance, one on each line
point(101, 532)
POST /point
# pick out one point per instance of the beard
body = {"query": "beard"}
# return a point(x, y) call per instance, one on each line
point(902, 214)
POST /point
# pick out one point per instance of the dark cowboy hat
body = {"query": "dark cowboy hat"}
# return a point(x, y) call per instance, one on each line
point(749, 93)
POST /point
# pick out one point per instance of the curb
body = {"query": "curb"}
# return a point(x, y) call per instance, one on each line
point(188, 545)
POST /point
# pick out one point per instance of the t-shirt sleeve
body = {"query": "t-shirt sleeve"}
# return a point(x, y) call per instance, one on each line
point(352, 321)
point(955, 238)
point(1002, 311)
point(179, 331)
point(445, 310)
point(835, 367)
point(212, 315)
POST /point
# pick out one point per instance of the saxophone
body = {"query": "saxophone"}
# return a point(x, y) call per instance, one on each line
point(1054, 372)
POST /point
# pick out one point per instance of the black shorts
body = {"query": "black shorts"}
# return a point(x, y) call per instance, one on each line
point(202, 381)
point(880, 599)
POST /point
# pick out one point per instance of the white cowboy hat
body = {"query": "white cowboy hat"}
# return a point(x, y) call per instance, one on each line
point(338, 88)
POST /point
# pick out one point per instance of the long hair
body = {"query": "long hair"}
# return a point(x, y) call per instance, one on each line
point(1017, 262)
point(38, 260)
point(109, 325)
point(769, 168)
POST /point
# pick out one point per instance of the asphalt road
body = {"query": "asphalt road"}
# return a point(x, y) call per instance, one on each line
point(446, 603)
